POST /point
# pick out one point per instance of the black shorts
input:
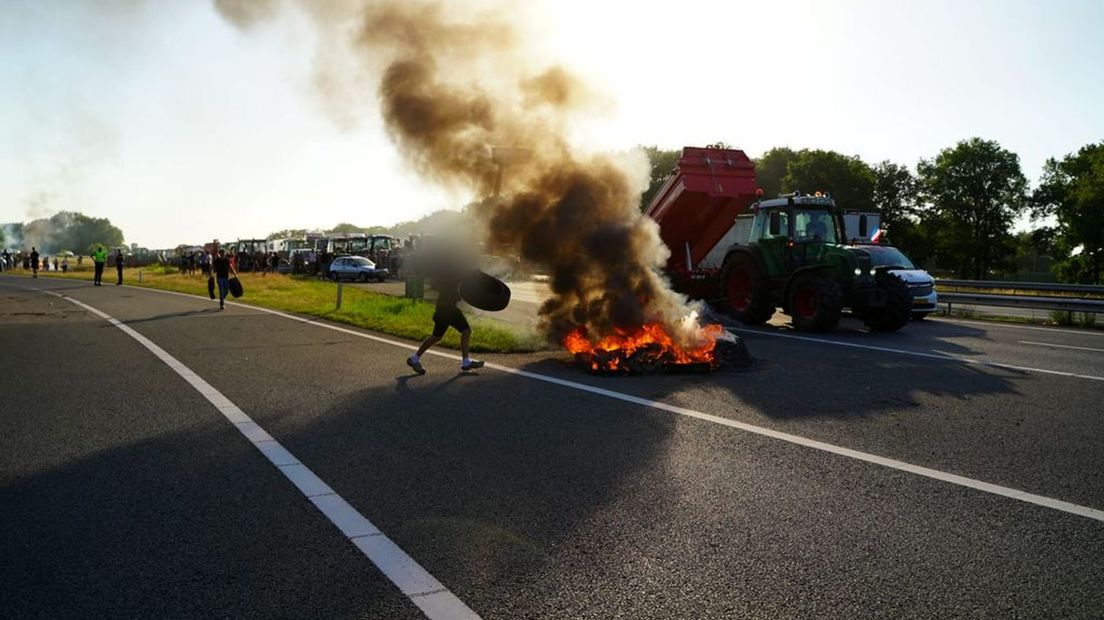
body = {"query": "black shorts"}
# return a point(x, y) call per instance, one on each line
point(445, 318)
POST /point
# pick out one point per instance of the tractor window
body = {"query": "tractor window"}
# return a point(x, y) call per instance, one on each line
point(761, 228)
point(814, 225)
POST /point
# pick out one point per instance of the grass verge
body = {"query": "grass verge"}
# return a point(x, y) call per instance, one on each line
point(406, 318)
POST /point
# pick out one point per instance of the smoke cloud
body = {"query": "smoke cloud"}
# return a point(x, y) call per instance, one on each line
point(467, 108)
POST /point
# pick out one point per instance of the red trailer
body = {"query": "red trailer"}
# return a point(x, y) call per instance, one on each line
point(697, 211)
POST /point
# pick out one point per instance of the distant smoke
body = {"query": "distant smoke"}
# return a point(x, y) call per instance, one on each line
point(453, 87)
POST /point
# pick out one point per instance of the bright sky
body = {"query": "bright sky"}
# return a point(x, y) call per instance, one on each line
point(178, 127)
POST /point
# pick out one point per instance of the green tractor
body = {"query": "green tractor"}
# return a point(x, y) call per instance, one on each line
point(796, 259)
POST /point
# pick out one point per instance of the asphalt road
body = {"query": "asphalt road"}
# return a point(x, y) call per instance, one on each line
point(534, 490)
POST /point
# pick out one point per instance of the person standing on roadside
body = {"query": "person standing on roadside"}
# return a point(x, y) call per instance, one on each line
point(99, 257)
point(446, 315)
point(222, 268)
point(34, 261)
point(120, 260)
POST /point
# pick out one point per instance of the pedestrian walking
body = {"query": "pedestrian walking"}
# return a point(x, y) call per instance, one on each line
point(99, 257)
point(446, 315)
point(120, 260)
point(222, 268)
point(56, 267)
point(65, 265)
point(34, 261)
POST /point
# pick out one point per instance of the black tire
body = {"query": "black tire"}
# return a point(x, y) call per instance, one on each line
point(919, 316)
point(381, 279)
point(898, 308)
point(815, 303)
point(363, 277)
point(745, 290)
point(334, 276)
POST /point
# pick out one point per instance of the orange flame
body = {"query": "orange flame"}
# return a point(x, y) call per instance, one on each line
point(625, 350)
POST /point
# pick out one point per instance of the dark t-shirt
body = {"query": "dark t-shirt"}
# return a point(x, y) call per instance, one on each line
point(34, 259)
point(448, 290)
point(222, 267)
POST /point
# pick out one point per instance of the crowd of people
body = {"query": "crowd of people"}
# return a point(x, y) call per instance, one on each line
point(259, 262)
point(31, 260)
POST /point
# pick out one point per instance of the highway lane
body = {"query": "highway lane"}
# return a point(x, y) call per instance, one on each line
point(1000, 343)
point(123, 493)
point(528, 499)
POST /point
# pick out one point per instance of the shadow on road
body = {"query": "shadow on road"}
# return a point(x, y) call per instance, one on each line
point(797, 379)
point(473, 470)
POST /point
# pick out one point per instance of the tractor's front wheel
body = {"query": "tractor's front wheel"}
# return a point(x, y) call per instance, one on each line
point(745, 290)
point(815, 303)
point(898, 308)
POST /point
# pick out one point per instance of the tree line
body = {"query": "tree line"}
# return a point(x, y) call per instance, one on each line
point(955, 211)
point(65, 230)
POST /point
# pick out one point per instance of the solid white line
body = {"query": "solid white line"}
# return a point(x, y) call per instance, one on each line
point(927, 472)
point(1061, 346)
point(945, 357)
point(415, 582)
point(995, 489)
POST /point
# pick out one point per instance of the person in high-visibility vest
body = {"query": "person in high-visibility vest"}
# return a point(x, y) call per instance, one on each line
point(99, 257)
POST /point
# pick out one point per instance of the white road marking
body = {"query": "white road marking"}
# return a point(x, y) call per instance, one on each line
point(1077, 332)
point(434, 599)
point(1061, 346)
point(919, 470)
point(945, 357)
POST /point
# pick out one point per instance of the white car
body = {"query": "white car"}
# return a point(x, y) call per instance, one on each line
point(920, 282)
point(356, 268)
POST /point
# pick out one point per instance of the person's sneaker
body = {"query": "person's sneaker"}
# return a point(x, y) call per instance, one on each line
point(472, 365)
point(417, 366)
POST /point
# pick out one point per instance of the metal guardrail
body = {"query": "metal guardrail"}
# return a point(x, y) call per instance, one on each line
point(1051, 287)
point(1075, 298)
point(1030, 302)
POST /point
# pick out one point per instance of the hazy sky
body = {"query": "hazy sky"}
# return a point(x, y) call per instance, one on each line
point(179, 127)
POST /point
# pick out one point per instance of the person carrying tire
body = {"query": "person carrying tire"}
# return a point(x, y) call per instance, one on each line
point(222, 268)
point(99, 258)
point(446, 315)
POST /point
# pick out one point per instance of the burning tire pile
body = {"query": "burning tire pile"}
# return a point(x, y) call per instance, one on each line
point(651, 350)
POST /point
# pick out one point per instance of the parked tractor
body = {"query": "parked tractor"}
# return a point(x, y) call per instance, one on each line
point(750, 256)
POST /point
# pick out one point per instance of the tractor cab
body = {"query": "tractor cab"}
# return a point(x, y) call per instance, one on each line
point(796, 231)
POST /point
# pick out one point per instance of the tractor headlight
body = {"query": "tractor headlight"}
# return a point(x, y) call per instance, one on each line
point(858, 271)
point(871, 271)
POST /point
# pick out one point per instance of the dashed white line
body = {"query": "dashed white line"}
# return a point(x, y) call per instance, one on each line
point(999, 325)
point(434, 599)
point(946, 357)
point(1061, 346)
point(919, 470)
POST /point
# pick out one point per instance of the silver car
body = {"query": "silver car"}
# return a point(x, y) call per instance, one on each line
point(356, 268)
point(920, 282)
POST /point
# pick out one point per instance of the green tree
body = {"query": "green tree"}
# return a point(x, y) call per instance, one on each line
point(663, 164)
point(974, 190)
point(345, 227)
point(1072, 192)
point(847, 178)
point(771, 168)
point(287, 233)
point(896, 196)
point(80, 233)
point(896, 193)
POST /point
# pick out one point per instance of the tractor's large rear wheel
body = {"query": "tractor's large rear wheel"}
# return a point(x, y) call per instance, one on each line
point(815, 303)
point(898, 308)
point(745, 290)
